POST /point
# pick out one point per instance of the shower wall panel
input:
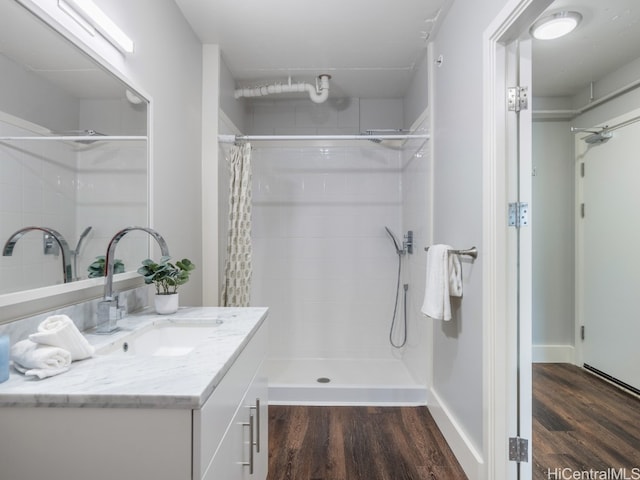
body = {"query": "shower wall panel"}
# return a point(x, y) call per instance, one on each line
point(416, 216)
point(322, 260)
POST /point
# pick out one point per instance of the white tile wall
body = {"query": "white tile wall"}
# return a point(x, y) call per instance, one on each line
point(322, 261)
point(417, 207)
point(111, 195)
point(36, 182)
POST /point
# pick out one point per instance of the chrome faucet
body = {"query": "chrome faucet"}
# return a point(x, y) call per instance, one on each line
point(67, 274)
point(108, 309)
point(76, 252)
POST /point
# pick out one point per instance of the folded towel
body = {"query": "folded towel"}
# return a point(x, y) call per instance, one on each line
point(60, 331)
point(40, 361)
point(444, 279)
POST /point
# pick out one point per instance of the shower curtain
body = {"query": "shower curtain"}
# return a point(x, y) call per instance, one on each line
point(237, 271)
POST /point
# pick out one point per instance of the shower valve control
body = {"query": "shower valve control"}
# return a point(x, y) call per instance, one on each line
point(408, 242)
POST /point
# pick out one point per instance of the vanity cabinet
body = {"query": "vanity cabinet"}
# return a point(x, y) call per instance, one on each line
point(231, 429)
point(164, 442)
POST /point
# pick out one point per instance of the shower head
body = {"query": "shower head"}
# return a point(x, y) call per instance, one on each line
point(372, 136)
point(83, 133)
point(396, 242)
point(599, 137)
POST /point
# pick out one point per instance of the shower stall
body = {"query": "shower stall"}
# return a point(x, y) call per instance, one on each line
point(325, 266)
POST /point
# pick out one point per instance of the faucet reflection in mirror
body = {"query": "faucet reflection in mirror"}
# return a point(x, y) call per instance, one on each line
point(109, 311)
point(67, 274)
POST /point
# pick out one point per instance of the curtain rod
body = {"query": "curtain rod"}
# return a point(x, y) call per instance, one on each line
point(371, 137)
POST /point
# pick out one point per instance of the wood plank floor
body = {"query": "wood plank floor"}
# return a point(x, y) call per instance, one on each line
point(582, 423)
point(357, 443)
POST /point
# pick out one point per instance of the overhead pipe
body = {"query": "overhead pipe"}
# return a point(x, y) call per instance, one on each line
point(318, 92)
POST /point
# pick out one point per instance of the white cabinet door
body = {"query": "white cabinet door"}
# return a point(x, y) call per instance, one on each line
point(257, 403)
point(243, 453)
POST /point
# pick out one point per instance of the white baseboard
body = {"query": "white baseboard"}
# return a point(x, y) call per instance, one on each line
point(553, 354)
point(466, 453)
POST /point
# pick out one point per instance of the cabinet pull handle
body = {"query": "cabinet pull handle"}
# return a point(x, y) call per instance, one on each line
point(250, 463)
point(257, 409)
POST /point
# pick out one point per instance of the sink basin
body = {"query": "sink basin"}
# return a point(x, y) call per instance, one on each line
point(163, 339)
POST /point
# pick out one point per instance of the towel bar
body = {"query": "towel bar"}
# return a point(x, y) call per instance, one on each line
point(471, 252)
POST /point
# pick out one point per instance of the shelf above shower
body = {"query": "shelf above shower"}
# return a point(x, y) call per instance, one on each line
point(76, 138)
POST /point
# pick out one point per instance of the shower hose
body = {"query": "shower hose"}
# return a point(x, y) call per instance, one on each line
point(395, 309)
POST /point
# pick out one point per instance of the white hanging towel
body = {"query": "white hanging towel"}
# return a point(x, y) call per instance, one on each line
point(444, 280)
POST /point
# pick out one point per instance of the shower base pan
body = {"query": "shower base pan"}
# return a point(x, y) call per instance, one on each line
point(367, 382)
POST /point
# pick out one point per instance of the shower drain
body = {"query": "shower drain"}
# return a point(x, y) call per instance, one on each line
point(323, 380)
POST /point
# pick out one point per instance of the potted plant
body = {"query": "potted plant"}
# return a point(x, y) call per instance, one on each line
point(166, 277)
point(98, 266)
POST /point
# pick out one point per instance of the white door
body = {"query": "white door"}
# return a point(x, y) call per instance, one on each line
point(610, 236)
point(508, 277)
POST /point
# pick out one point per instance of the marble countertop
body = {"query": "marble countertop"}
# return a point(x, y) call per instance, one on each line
point(125, 381)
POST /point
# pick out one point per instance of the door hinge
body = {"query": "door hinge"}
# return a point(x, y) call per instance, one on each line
point(582, 332)
point(518, 449)
point(517, 98)
point(582, 210)
point(582, 169)
point(518, 214)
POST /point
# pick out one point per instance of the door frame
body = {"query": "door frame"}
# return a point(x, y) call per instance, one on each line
point(500, 360)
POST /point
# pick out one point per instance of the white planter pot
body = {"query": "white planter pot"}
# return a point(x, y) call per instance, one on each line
point(166, 304)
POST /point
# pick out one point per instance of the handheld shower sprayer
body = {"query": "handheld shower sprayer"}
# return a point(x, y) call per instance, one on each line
point(406, 246)
point(401, 248)
point(396, 242)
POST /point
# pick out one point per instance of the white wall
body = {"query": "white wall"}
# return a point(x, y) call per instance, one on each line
point(322, 261)
point(339, 116)
point(458, 145)
point(167, 65)
point(553, 241)
point(416, 100)
point(234, 109)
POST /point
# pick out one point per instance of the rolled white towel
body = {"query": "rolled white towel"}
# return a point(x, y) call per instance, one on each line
point(60, 331)
point(40, 361)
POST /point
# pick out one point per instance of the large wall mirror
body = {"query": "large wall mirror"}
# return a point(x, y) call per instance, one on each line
point(73, 156)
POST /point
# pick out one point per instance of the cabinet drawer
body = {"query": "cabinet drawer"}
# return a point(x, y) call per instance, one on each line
point(212, 421)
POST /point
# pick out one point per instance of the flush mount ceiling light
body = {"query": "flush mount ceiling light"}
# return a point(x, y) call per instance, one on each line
point(96, 18)
point(555, 25)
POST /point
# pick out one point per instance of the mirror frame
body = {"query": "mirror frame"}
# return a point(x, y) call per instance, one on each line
point(17, 305)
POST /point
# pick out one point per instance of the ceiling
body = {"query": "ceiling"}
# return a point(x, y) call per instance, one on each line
point(607, 38)
point(369, 48)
